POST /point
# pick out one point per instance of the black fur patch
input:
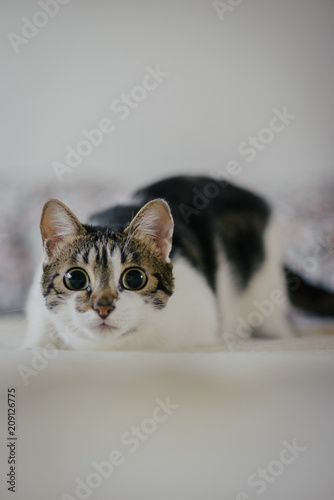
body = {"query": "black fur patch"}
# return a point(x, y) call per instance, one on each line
point(161, 286)
point(206, 212)
point(51, 288)
point(52, 304)
point(158, 304)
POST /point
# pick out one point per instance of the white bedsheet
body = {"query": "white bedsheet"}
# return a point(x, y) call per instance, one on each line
point(207, 422)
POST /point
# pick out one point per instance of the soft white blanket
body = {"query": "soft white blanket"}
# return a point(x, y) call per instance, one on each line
point(161, 426)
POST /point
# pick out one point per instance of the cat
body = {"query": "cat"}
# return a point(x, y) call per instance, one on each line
point(189, 262)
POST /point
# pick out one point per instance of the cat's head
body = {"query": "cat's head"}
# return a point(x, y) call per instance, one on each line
point(104, 284)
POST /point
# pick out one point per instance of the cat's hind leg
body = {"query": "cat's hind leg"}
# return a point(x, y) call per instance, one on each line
point(267, 310)
point(259, 308)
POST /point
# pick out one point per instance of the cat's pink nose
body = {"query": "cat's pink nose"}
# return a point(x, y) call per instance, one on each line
point(103, 307)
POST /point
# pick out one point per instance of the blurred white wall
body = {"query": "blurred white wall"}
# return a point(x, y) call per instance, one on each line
point(226, 75)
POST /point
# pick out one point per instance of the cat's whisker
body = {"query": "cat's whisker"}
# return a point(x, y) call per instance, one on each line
point(11, 311)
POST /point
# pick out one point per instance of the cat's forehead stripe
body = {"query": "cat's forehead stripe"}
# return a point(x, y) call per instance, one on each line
point(104, 256)
point(97, 252)
point(85, 256)
point(116, 261)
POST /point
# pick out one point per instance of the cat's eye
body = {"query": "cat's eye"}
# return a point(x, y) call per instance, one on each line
point(134, 278)
point(76, 279)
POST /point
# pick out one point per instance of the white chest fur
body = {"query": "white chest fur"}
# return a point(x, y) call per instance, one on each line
point(191, 316)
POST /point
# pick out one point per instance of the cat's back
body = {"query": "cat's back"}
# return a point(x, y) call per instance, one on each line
point(194, 200)
point(207, 214)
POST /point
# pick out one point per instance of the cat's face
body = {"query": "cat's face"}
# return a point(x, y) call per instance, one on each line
point(100, 284)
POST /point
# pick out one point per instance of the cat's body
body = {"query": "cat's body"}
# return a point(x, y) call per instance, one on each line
point(221, 280)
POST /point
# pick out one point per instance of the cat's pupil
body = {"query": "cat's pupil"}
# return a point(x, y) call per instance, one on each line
point(134, 279)
point(76, 279)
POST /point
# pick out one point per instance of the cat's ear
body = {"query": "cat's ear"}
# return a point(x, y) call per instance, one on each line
point(154, 221)
point(57, 224)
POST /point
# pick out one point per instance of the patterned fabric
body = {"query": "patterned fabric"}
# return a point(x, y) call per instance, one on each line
point(307, 222)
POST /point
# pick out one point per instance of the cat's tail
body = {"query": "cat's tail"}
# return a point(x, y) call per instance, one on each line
point(318, 300)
